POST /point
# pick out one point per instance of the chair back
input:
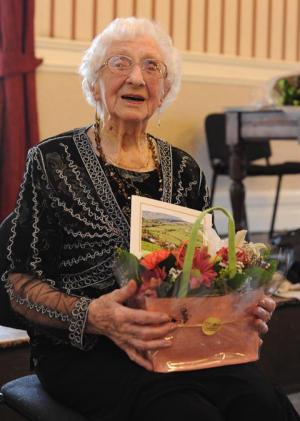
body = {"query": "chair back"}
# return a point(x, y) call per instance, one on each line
point(215, 129)
point(7, 316)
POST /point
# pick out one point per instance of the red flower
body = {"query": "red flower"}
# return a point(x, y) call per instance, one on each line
point(241, 255)
point(151, 260)
point(157, 273)
point(223, 254)
point(203, 270)
point(180, 254)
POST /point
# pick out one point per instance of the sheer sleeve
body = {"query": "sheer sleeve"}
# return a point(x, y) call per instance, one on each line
point(33, 254)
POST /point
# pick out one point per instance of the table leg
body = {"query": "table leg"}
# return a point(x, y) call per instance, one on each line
point(237, 169)
point(237, 189)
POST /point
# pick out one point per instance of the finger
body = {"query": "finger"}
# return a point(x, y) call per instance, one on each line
point(150, 332)
point(268, 304)
point(143, 317)
point(123, 294)
point(138, 358)
point(262, 314)
point(261, 326)
point(150, 345)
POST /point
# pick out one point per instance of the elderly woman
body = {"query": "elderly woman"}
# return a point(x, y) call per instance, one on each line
point(73, 211)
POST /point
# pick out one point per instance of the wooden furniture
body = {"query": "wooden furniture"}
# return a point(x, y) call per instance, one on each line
point(249, 124)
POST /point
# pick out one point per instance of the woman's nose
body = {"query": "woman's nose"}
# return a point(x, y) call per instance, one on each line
point(136, 75)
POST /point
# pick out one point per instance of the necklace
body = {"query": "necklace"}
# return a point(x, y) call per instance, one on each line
point(128, 190)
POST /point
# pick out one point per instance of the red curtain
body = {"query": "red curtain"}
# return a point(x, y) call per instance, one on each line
point(18, 110)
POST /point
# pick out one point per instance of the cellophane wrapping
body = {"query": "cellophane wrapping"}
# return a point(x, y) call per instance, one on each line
point(211, 331)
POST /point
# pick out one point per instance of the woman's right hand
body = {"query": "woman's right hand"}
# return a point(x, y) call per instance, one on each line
point(133, 330)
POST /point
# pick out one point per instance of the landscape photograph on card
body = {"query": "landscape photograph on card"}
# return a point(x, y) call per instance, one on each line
point(156, 225)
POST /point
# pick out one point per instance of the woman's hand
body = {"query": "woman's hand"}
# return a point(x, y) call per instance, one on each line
point(134, 331)
point(263, 313)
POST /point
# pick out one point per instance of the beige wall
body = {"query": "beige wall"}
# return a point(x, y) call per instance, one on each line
point(246, 28)
point(213, 79)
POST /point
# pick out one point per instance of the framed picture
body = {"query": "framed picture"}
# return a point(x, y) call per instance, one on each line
point(156, 224)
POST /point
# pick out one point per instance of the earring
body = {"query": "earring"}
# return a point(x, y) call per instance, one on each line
point(98, 121)
point(158, 116)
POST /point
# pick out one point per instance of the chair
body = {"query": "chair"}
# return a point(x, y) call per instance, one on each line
point(215, 128)
point(26, 395)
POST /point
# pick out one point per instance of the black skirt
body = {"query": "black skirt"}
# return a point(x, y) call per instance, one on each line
point(105, 385)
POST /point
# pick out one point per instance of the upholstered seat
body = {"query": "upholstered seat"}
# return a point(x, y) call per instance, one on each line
point(27, 396)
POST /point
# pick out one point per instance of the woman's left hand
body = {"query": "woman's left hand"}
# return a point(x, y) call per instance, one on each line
point(263, 313)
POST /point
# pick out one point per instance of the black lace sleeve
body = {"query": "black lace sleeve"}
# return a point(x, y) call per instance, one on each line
point(33, 253)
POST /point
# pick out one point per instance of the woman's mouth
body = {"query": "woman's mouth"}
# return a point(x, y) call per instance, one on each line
point(133, 98)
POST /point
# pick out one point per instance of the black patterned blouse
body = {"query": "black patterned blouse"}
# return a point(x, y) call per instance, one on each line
point(70, 217)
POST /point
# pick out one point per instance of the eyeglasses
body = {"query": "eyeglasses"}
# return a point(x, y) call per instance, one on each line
point(150, 67)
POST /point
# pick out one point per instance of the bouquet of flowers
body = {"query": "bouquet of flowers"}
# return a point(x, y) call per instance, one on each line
point(208, 286)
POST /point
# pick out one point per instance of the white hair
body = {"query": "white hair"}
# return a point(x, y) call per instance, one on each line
point(129, 28)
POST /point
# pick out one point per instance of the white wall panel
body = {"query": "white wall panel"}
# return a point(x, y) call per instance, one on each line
point(197, 25)
point(261, 28)
point(180, 18)
point(246, 28)
point(230, 26)
point(62, 19)
point(214, 26)
point(291, 39)
point(144, 9)
point(124, 8)
point(277, 7)
point(84, 16)
point(105, 14)
point(162, 13)
point(42, 18)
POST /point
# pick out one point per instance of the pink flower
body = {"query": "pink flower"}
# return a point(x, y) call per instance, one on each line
point(203, 269)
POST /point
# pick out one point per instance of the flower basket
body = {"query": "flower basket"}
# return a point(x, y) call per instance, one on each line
point(209, 287)
point(211, 332)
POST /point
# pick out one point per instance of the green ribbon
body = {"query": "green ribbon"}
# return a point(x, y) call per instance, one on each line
point(190, 251)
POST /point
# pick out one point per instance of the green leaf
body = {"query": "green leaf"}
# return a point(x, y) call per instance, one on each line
point(127, 267)
point(165, 289)
point(237, 281)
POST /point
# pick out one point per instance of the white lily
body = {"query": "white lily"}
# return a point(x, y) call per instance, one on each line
point(214, 243)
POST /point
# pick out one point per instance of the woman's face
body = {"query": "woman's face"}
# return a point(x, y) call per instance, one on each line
point(135, 96)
